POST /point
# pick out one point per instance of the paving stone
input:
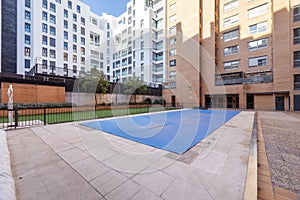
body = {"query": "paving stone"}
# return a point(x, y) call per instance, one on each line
point(90, 168)
point(183, 190)
point(124, 191)
point(150, 181)
point(145, 194)
point(108, 182)
point(73, 155)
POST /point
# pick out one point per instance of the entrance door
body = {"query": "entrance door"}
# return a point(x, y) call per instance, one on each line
point(296, 102)
point(280, 103)
point(250, 101)
point(173, 100)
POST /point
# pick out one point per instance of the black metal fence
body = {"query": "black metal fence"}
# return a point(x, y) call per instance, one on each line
point(35, 116)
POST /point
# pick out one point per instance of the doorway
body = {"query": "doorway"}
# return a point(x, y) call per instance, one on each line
point(280, 103)
point(173, 101)
point(250, 101)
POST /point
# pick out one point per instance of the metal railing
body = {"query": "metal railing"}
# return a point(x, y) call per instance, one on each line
point(39, 116)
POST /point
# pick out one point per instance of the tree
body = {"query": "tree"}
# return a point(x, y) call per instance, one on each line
point(94, 81)
point(134, 86)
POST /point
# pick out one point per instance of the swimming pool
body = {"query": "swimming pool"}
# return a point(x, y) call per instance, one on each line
point(174, 131)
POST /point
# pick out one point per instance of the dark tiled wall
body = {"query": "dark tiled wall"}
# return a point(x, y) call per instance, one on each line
point(9, 36)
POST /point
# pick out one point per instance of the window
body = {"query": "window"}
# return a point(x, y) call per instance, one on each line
point(74, 17)
point(45, 4)
point(58, 1)
point(66, 13)
point(82, 51)
point(27, 51)
point(142, 23)
point(258, 61)
point(172, 29)
point(231, 5)
point(52, 53)
point(82, 31)
point(172, 52)
point(82, 21)
point(52, 65)
point(297, 13)
point(74, 69)
point(74, 38)
point(258, 28)
point(44, 40)
point(94, 21)
point(27, 3)
point(44, 64)
point(172, 74)
point(74, 28)
point(74, 59)
point(52, 19)
point(78, 9)
point(297, 81)
point(52, 42)
point(172, 18)
point(74, 48)
point(171, 7)
point(65, 67)
point(142, 56)
point(231, 20)
point(66, 56)
point(297, 59)
point(82, 41)
point(70, 4)
point(172, 63)
point(108, 34)
point(82, 60)
point(231, 65)
point(297, 36)
point(257, 11)
point(142, 45)
point(52, 30)
point(172, 41)
point(27, 27)
point(27, 39)
point(44, 52)
point(142, 67)
point(258, 44)
point(45, 16)
point(27, 15)
point(27, 64)
point(65, 46)
point(65, 24)
point(52, 7)
point(231, 50)
point(231, 35)
point(44, 28)
point(65, 35)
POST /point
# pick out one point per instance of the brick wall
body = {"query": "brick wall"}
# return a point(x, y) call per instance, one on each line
point(28, 93)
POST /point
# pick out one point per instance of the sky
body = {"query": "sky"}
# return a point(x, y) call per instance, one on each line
point(113, 7)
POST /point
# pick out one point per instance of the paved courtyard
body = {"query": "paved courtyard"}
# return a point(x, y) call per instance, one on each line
point(69, 161)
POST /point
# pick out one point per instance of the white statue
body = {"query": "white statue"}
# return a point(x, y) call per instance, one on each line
point(10, 104)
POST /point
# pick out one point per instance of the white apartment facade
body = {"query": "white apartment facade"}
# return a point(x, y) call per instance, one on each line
point(59, 37)
point(63, 37)
point(137, 46)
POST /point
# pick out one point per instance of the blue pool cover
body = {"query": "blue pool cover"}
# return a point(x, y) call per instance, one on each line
point(174, 131)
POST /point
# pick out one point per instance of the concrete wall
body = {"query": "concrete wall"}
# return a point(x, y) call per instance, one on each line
point(89, 98)
point(7, 183)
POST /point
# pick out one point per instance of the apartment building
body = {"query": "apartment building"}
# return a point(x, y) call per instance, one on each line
point(182, 81)
point(63, 38)
point(249, 54)
point(137, 42)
